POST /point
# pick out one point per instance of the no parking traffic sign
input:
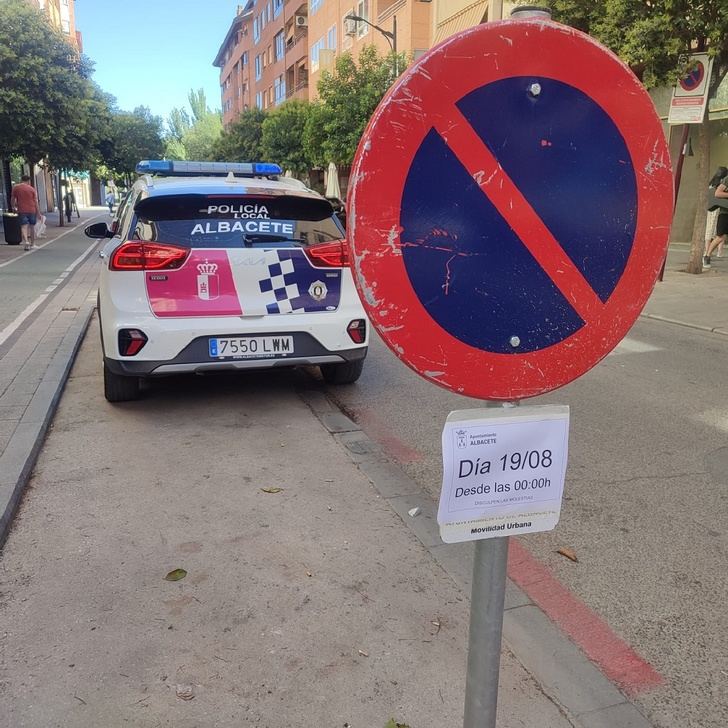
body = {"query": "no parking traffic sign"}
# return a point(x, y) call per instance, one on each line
point(509, 209)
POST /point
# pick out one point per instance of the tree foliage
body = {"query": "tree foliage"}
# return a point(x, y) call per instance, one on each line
point(47, 103)
point(193, 135)
point(349, 95)
point(242, 141)
point(282, 134)
point(655, 38)
point(132, 136)
point(652, 36)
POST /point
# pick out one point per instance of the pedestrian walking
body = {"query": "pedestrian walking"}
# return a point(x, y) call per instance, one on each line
point(719, 187)
point(110, 201)
point(68, 201)
point(24, 200)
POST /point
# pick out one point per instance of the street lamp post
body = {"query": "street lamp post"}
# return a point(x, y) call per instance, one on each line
point(391, 36)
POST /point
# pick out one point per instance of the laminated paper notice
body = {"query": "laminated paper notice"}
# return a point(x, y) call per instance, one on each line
point(503, 471)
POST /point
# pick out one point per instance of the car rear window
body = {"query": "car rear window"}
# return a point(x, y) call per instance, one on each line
point(251, 221)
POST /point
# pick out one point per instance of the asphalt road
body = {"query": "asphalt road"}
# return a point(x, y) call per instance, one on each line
point(644, 508)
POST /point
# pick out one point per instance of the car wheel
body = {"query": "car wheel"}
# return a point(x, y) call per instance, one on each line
point(345, 373)
point(118, 388)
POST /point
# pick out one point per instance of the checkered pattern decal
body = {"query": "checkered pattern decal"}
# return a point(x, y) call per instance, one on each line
point(288, 286)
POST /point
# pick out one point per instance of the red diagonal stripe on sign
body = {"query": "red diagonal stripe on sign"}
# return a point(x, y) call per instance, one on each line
point(500, 189)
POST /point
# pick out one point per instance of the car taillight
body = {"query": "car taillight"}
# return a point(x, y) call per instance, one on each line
point(329, 255)
point(148, 256)
point(357, 330)
point(131, 341)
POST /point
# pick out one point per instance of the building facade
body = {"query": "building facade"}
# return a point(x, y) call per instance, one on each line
point(61, 15)
point(331, 33)
point(263, 60)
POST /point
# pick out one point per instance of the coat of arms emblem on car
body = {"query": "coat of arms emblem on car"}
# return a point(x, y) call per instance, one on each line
point(208, 282)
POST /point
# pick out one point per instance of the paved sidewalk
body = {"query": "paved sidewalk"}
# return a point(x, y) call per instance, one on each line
point(34, 364)
point(699, 301)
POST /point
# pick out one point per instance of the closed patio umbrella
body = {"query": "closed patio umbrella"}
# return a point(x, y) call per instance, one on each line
point(333, 190)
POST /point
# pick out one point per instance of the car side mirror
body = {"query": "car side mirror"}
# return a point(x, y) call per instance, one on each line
point(98, 230)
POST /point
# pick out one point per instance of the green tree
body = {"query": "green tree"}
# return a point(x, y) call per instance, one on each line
point(198, 104)
point(654, 38)
point(199, 140)
point(315, 135)
point(44, 87)
point(350, 94)
point(282, 138)
point(178, 123)
point(241, 142)
point(132, 137)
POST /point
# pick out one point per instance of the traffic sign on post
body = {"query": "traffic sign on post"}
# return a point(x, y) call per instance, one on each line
point(509, 209)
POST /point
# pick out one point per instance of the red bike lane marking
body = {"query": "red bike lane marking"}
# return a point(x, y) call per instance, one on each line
point(612, 655)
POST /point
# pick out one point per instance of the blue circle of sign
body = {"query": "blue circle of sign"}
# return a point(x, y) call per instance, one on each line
point(471, 272)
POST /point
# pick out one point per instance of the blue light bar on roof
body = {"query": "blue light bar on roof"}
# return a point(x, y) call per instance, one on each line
point(173, 168)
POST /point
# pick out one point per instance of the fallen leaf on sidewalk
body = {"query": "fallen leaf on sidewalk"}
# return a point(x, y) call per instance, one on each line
point(393, 724)
point(272, 489)
point(185, 692)
point(176, 575)
point(569, 553)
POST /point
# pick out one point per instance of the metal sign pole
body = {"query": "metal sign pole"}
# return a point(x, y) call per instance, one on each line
point(486, 627)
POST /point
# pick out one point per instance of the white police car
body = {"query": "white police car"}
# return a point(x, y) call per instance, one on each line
point(216, 266)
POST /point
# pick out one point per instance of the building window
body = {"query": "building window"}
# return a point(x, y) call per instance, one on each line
point(258, 68)
point(280, 44)
point(259, 100)
point(245, 59)
point(332, 38)
point(315, 50)
point(268, 10)
point(256, 30)
point(277, 7)
point(280, 90)
point(362, 10)
point(314, 5)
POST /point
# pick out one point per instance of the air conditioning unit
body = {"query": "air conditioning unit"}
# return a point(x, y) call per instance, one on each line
point(301, 21)
point(350, 27)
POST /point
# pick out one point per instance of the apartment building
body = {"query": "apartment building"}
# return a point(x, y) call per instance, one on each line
point(264, 57)
point(330, 33)
point(233, 60)
point(61, 14)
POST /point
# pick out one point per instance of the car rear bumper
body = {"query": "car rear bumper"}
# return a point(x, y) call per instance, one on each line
point(194, 358)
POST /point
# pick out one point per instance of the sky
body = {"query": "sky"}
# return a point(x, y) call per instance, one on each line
point(152, 52)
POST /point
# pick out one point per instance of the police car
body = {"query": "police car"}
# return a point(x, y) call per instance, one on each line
point(215, 266)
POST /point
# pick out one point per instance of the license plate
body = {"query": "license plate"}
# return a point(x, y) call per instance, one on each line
point(242, 347)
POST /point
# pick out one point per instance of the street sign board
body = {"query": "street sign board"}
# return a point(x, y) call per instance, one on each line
point(690, 93)
point(509, 209)
point(503, 471)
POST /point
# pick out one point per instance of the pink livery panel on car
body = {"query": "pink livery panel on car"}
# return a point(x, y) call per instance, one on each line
point(243, 282)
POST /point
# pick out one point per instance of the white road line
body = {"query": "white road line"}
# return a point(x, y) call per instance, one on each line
point(12, 327)
point(8, 331)
point(39, 247)
point(632, 346)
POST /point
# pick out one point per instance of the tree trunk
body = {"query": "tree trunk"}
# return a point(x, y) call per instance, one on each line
point(60, 200)
point(697, 245)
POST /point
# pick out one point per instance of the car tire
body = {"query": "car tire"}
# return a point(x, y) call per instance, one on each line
point(345, 373)
point(118, 388)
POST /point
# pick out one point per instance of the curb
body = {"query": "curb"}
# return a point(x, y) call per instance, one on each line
point(25, 444)
point(665, 319)
point(566, 676)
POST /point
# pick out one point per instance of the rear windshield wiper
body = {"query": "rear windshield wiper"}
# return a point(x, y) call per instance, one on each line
point(249, 240)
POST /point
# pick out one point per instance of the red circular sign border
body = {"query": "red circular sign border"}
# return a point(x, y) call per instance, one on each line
point(468, 61)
